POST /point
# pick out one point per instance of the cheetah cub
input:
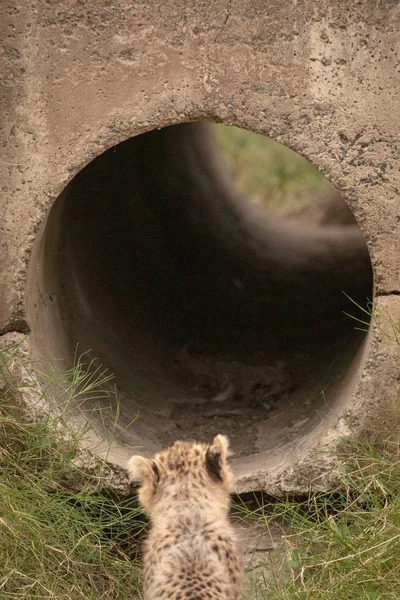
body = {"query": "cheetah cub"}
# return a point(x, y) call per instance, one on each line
point(190, 553)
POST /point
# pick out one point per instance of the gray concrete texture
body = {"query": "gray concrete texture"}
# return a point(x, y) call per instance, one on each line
point(121, 233)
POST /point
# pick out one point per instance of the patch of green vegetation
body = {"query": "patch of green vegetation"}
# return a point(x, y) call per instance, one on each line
point(267, 171)
point(62, 534)
point(341, 546)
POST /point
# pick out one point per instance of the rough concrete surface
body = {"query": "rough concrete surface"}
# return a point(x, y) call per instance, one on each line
point(150, 259)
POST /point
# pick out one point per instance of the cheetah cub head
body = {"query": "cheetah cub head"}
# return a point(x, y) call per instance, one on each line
point(187, 471)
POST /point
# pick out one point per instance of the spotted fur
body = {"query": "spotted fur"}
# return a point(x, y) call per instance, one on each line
point(190, 552)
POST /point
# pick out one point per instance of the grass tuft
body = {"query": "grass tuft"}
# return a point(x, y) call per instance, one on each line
point(340, 546)
point(58, 538)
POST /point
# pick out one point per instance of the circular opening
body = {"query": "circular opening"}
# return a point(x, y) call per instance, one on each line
point(215, 315)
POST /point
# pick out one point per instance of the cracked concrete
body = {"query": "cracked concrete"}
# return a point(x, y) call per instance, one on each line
point(321, 78)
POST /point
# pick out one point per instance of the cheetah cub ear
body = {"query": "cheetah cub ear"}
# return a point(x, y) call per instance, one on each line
point(146, 471)
point(143, 469)
point(216, 461)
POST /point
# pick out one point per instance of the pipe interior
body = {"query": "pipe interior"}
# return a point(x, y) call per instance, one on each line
point(214, 315)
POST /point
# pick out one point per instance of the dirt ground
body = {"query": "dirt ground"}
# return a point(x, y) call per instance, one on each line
point(233, 396)
point(228, 396)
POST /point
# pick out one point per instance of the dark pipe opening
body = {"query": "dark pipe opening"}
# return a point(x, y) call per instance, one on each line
point(214, 315)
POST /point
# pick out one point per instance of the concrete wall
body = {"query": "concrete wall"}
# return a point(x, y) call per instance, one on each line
point(322, 78)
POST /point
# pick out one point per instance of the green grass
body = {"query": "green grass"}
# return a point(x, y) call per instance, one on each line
point(62, 534)
point(343, 545)
point(268, 172)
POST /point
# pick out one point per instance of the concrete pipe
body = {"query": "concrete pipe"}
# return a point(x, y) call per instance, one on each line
point(124, 237)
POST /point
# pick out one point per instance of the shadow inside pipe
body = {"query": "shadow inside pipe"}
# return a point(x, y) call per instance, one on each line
point(215, 315)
